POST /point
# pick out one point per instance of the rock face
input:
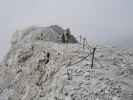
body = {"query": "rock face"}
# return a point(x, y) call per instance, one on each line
point(40, 68)
point(52, 33)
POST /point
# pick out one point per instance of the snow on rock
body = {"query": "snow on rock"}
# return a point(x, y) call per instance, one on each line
point(35, 33)
point(47, 69)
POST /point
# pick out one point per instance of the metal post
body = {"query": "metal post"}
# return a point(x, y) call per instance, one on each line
point(80, 37)
point(94, 49)
point(84, 43)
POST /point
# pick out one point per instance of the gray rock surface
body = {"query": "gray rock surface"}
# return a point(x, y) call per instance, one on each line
point(34, 33)
point(29, 74)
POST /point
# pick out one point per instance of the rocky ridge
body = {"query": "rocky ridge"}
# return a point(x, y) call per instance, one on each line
point(28, 73)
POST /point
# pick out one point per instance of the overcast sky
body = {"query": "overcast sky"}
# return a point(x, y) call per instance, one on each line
point(104, 21)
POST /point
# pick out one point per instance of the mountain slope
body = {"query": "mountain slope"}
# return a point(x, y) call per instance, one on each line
point(66, 74)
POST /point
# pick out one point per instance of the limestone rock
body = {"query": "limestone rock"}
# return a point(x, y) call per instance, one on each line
point(39, 66)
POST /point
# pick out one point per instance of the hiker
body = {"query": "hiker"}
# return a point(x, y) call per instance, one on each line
point(63, 38)
point(67, 35)
point(41, 38)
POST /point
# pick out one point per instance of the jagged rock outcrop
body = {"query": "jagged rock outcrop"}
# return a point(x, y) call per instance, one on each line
point(34, 33)
point(47, 69)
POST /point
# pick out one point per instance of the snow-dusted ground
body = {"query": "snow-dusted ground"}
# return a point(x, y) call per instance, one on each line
point(68, 74)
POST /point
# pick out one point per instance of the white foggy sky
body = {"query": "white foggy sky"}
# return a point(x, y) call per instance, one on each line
point(104, 21)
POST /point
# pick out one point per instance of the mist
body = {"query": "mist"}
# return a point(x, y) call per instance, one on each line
point(106, 22)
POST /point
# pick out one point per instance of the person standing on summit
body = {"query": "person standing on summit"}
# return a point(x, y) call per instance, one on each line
point(65, 36)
